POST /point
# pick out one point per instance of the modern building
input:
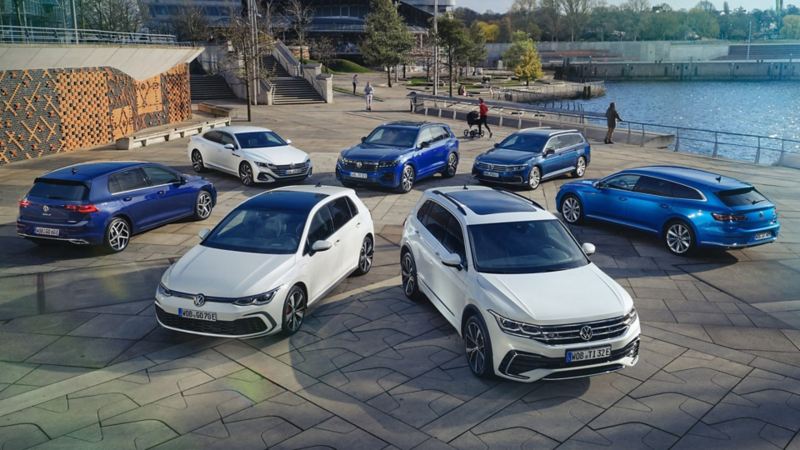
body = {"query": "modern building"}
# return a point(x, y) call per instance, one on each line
point(162, 13)
point(36, 13)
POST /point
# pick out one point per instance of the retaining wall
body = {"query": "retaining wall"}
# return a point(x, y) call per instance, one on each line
point(681, 71)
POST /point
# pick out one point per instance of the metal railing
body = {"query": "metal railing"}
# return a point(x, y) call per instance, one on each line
point(286, 58)
point(758, 149)
point(34, 35)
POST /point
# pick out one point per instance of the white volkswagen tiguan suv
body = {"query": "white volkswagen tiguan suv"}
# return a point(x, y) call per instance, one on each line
point(514, 282)
point(266, 262)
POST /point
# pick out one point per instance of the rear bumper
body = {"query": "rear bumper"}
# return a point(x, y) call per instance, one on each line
point(82, 233)
point(740, 238)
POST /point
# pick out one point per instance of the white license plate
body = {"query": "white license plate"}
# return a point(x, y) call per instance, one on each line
point(762, 236)
point(588, 353)
point(491, 174)
point(199, 315)
point(42, 231)
point(294, 171)
point(358, 175)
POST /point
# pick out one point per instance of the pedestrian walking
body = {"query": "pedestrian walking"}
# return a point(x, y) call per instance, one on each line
point(355, 83)
point(368, 93)
point(611, 117)
point(483, 111)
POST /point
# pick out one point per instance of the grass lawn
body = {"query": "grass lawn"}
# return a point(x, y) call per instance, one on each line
point(347, 66)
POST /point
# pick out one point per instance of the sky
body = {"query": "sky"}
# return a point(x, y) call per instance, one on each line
point(503, 5)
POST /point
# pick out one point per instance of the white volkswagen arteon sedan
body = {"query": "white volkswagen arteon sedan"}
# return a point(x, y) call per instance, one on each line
point(514, 282)
point(255, 155)
point(266, 262)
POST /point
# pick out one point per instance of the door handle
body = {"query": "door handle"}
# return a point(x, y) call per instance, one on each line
point(127, 199)
point(623, 199)
point(234, 154)
point(161, 192)
point(358, 224)
point(665, 206)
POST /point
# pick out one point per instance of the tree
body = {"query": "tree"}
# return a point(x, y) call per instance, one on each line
point(576, 15)
point(192, 24)
point(490, 31)
point(249, 53)
point(301, 16)
point(476, 47)
point(456, 43)
point(524, 58)
point(550, 17)
point(387, 40)
point(112, 15)
point(703, 23)
point(791, 27)
point(322, 50)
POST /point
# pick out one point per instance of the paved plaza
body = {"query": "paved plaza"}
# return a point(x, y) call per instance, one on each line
point(84, 365)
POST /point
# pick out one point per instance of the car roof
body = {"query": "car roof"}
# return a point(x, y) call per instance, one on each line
point(241, 129)
point(481, 204)
point(695, 177)
point(410, 124)
point(316, 189)
point(89, 170)
point(285, 200)
point(545, 132)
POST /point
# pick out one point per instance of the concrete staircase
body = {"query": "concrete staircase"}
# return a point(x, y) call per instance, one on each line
point(290, 90)
point(210, 87)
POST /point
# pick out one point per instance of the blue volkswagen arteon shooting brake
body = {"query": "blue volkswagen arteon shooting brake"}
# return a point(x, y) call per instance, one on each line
point(398, 154)
point(529, 156)
point(687, 207)
point(105, 203)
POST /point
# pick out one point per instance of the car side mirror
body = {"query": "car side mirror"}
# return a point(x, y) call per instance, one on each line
point(452, 260)
point(288, 142)
point(181, 181)
point(204, 233)
point(588, 248)
point(363, 139)
point(549, 152)
point(599, 185)
point(496, 145)
point(321, 246)
point(423, 145)
point(229, 147)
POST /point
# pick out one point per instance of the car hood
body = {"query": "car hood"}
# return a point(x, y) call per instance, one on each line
point(366, 152)
point(224, 273)
point(279, 156)
point(574, 295)
point(506, 156)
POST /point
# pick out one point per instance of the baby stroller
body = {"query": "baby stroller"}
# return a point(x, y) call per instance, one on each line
point(473, 119)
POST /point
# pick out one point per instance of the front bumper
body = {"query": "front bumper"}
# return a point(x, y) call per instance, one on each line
point(81, 233)
point(519, 177)
point(388, 177)
point(522, 359)
point(266, 175)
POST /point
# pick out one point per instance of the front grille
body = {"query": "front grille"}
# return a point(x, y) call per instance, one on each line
point(571, 333)
point(207, 298)
point(366, 166)
point(495, 167)
point(515, 363)
point(240, 327)
point(281, 170)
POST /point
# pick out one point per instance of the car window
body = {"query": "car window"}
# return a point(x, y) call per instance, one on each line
point(213, 136)
point(553, 144)
point(226, 138)
point(58, 190)
point(624, 182)
point(741, 197)
point(681, 191)
point(260, 139)
point(454, 238)
point(425, 135)
point(127, 180)
point(436, 221)
point(340, 211)
point(572, 139)
point(422, 214)
point(158, 176)
point(440, 133)
point(653, 186)
point(321, 226)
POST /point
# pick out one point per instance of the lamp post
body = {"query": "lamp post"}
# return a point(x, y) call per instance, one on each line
point(435, 47)
point(74, 20)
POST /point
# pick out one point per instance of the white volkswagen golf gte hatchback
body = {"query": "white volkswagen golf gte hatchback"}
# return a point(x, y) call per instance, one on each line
point(266, 262)
point(514, 282)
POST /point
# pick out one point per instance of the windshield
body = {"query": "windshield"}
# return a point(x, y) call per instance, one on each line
point(741, 197)
point(524, 247)
point(259, 139)
point(58, 190)
point(258, 231)
point(394, 136)
point(533, 143)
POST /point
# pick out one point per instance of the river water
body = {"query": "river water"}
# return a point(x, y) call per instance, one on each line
point(770, 108)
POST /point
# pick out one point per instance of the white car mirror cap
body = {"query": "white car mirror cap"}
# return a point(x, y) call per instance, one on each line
point(288, 142)
point(452, 260)
point(588, 248)
point(228, 146)
point(321, 246)
point(204, 233)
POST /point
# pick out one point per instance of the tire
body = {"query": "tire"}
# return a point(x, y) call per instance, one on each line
point(246, 174)
point(408, 275)
point(571, 209)
point(294, 310)
point(451, 166)
point(117, 235)
point(679, 238)
point(478, 347)
point(580, 168)
point(535, 178)
point(467, 132)
point(365, 256)
point(197, 161)
point(203, 205)
point(407, 177)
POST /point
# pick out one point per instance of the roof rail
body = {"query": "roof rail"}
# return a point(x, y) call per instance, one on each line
point(452, 200)
point(533, 202)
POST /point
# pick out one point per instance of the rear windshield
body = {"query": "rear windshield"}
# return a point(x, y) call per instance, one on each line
point(59, 190)
point(741, 197)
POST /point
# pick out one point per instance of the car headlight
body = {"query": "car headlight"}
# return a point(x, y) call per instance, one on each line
point(267, 165)
point(516, 168)
point(259, 299)
point(163, 291)
point(516, 327)
point(631, 317)
point(388, 164)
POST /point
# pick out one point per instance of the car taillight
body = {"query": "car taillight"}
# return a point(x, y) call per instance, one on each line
point(82, 209)
point(728, 217)
point(24, 203)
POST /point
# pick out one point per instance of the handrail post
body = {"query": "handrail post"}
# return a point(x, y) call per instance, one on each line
point(758, 150)
point(677, 139)
point(716, 145)
point(629, 133)
point(641, 144)
point(783, 150)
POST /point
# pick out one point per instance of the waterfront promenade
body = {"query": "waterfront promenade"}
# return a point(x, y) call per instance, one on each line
point(84, 365)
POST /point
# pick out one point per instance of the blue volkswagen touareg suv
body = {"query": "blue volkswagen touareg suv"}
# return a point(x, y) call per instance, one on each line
point(398, 154)
point(687, 207)
point(529, 156)
point(105, 203)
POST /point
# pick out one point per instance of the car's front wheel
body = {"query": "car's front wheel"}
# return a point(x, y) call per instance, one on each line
point(294, 311)
point(535, 178)
point(452, 166)
point(197, 161)
point(572, 209)
point(246, 174)
point(407, 177)
point(580, 167)
point(365, 255)
point(478, 346)
point(203, 205)
point(118, 235)
point(679, 238)
point(408, 276)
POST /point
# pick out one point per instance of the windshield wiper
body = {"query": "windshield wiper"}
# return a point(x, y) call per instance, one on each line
point(756, 201)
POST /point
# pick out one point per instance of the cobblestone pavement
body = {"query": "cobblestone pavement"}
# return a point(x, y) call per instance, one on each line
point(84, 365)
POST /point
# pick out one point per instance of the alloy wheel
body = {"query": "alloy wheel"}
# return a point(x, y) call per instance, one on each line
point(407, 179)
point(571, 209)
point(197, 161)
point(679, 238)
point(204, 205)
point(246, 174)
point(452, 165)
point(535, 178)
point(294, 310)
point(580, 167)
point(475, 345)
point(365, 256)
point(408, 274)
point(119, 235)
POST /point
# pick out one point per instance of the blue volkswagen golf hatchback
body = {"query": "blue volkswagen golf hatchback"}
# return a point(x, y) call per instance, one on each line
point(105, 203)
point(687, 207)
point(530, 156)
point(398, 154)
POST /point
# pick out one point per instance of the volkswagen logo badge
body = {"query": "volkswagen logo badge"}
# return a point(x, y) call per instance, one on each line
point(586, 332)
point(200, 300)
point(45, 208)
point(359, 164)
point(761, 214)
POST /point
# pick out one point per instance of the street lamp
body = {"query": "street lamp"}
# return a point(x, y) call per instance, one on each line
point(74, 20)
point(435, 47)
